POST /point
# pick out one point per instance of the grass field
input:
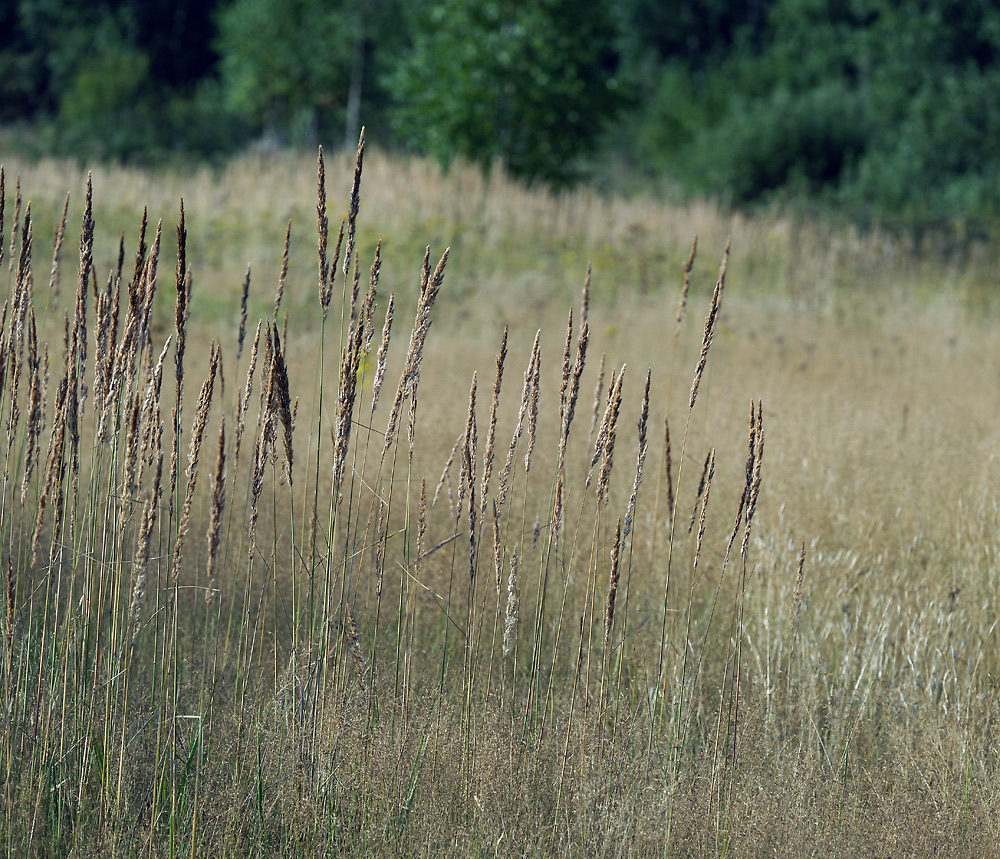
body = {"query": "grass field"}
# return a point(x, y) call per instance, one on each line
point(249, 613)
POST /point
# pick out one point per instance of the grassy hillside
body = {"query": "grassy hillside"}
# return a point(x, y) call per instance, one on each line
point(745, 607)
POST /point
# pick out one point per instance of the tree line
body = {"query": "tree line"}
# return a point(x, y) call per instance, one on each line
point(885, 110)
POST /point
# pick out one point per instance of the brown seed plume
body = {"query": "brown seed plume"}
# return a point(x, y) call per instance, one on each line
point(682, 303)
point(54, 463)
point(497, 551)
point(244, 293)
point(11, 602)
point(144, 541)
point(352, 218)
point(701, 489)
point(609, 613)
point(194, 450)
point(3, 201)
point(284, 272)
point(57, 241)
point(573, 391)
point(710, 323)
point(323, 230)
point(700, 539)
point(511, 615)
point(383, 352)
point(430, 286)
point(754, 475)
point(350, 366)
point(640, 456)
point(609, 442)
point(533, 408)
point(668, 467)
point(218, 495)
point(421, 528)
point(16, 222)
point(488, 453)
point(797, 591)
point(508, 465)
point(598, 390)
point(244, 399)
point(447, 468)
point(282, 398)
point(467, 480)
point(564, 376)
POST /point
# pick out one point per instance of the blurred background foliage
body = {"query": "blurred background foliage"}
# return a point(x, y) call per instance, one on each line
point(875, 111)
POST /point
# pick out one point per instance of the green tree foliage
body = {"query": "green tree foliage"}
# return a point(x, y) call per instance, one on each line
point(301, 69)
point(285, 63)
point(531, 84)
point(885, 109)
point(122, 78)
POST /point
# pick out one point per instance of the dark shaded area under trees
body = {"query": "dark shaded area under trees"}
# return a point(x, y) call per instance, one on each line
point(883, 111)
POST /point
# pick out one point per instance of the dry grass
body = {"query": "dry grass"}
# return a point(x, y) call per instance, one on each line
point(303, 653)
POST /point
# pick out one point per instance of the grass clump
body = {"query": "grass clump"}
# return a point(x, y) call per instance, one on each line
point(344, 639)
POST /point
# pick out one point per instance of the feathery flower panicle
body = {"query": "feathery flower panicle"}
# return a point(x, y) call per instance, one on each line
point(607, 455)
point(668, 467)
point(701, 489)
point(367, 316)
point(532, 414)
point(352, 218)
point(797, 591)
point(609, 612)
point(218, 495)
point(521, 415)
point(323, 230)
point(682, 303)
point(350, 366)
point(282, 398)
point(144, 541)
point(564, 376)
point(121, 258)
point(754, 474)
point(511, 615)
point(640, 457)
point(421, 529)
point(11, 593)
point(36, 382)
point(181, 269)
point(57, 241)
point(194, 450)
point(3, 200)
point(87, 238)
point(382, 532)
point(54, 463)
point(16, 221)
point(574, 389)
point(710, 323)
point(244, 294)
point(244, 399)
point(151, 403)
point(598, 390)
point(469, 474)
point(383, 352)
point(149, 281)
point(607, 422)
point(409, 379)
point(488, 453)
point(497, 551)
point(700, 538)
point(280, 291)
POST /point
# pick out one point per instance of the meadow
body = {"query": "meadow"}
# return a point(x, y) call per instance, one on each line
point(494, 522)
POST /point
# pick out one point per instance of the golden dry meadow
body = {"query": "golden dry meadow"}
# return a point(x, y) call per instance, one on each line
point(495, 522)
